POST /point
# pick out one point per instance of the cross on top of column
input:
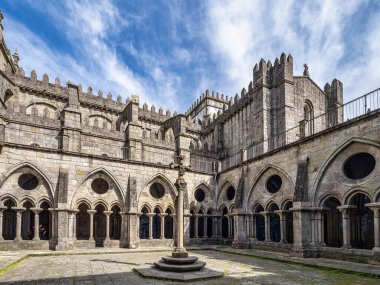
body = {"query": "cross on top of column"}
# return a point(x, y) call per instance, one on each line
point(181, 170)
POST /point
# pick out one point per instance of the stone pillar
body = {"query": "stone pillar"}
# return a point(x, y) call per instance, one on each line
point(267, 225)
point(36, 212)
point(204, 226)
point(174, 226)
point(180, 251)
point(319, 227)
point(107, 213)
point(375, 207)
point(151, 215)
point(215, 232)
point(18, 222)
point(345, 210)
point(129, 228)
point(74, 230)
point(91, 212)
point(303, 212)
point(282, 215)
point(241, 239)
point(2, 208)
point(253, 223)
point(162, 216)
point(229, 226)
point(196, 226)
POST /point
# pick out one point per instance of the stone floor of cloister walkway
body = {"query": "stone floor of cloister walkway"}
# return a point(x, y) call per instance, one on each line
point(116, 267)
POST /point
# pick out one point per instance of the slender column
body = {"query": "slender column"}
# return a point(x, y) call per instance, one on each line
point(107, 213)
point(36, 212)
point(254, 226)
point(196, 235)
point(267, 225)
point(162, 216)
point(205, 226)
point(229, 226)
point(375, 207)
point(91, 212)
point(282, 215)
point(74, 229)
point(214, 226)
point(18, 222)
point(174, 226)
point(2, 208)
point(53, 217)
point(138, 224)
point(345, 209)
point(151, 215)
point(320, 228)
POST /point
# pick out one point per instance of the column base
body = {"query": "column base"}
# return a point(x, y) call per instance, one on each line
point(376, 250)
point(180, 253)
point(346, 246)
point(17, 239)
point(304, 252)
point(240, 244)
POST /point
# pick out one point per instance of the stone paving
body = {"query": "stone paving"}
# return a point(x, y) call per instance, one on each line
point(117, 268)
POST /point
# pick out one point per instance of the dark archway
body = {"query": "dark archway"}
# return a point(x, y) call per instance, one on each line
point(260, 223)
point(156, 224)
point(100, 225)
point(115, 223)
point(333, 228)
point(209, 224)
point(224, 223)
point(362, 234)
point(83, 222)
point(192, 224)
point(289, 222)
point(144, 224)
point(9, 220)
point(168, 220)
point(27, 222)
point(201, 232)
point(274, 221)
point(45, 221)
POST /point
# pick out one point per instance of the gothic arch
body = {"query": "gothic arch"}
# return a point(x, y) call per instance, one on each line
point(332, 157)
point(269, 203)
point(35, 168)
point(285, 201)
point(328, 195)
point(259, 176)
point(225, 184)
point(160, 176)
point(83, 201)
point(347, 197)
point(102, 203)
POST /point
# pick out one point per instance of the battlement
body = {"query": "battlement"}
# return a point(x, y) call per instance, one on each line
point(153, 115)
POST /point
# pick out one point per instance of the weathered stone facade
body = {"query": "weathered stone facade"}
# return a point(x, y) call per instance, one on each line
point(270, 168)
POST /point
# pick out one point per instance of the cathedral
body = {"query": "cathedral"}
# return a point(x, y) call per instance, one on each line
point(284, 165)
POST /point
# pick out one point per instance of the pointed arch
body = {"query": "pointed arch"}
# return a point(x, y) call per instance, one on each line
point(161, 176)
point(20, 165)
point(146, 206)
point(256, 205)
point(331, 158)
point(102, 203)
point(261, 173)
point(357, 190)
point(83, 201)
point(226, 183)
point(9, 196)
point(269, 203)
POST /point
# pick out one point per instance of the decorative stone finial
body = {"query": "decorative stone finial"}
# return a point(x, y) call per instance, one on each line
point(306, 70)
point(16, 58)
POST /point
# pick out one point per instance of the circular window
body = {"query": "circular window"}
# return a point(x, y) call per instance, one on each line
point(99, 185)
point(199, 195)
point(28, 181)
point(230, 193)
point(359, 165)
point(157, 190)
point(274, 183)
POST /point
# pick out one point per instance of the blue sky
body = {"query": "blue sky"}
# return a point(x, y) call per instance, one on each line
point(169, 52)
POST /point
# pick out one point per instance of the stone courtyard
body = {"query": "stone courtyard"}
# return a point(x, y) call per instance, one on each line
point(117, 268)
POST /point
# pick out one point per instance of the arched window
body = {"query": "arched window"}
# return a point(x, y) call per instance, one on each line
point(144, 224)
point(9, 220)
point(83, 222)
point(115, 223)
point(100, 225)
point(225, 223)
point(260, 223)
point(274, 221)
point(308, 116)
point(361, 222)
point(289, 222)
point(333, 229)
point(156, 224)
point(168, 220)
point(45, 221)
point(27, 222)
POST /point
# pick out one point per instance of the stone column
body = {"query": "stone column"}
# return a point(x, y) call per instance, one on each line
point(205, 226)
point(180, 251)
point(2, 208)
point(346, 209)
point(319, 227)
point(162, 216)
point(151, 215)
point(229, 226)
point(53, 223)
point(91, 212)
point(107, 213)
point(253, 226)
point(174, 226)
point(18, 222)
point(375, 207)
point(214, 226)
point(267, 225)
point(282, 215)
point(74, 229)
point(196, 226)
point(241, 239)
point(36, 212)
